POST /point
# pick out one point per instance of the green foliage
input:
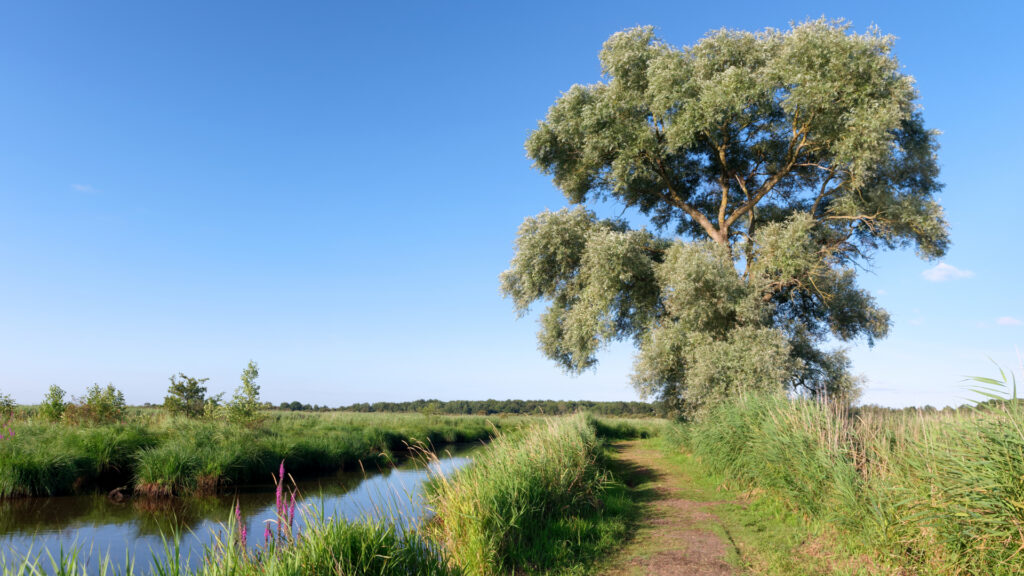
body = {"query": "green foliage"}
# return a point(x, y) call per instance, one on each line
point(338, 547)
point(99, 406)
point(537, 407)
point(43, 459)
point(520, 502)
point(795, 448)
point(186, 396)
point(167, 456)
point(7, 405)
point(785, 158)
point(213, 406)
point(54, 405)
point(245, 404)
point(547, 487)
point(334, 546)
point(932, 492)
point(626, 428)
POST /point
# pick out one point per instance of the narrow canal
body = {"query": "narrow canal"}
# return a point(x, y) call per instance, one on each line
point(98, 528)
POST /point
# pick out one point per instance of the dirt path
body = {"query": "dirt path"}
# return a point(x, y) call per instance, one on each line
point(678, 533)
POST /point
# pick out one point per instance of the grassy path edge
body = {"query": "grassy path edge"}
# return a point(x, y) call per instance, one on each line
point(690, 522)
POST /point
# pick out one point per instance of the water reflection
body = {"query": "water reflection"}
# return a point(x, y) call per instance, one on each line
point(101, 528)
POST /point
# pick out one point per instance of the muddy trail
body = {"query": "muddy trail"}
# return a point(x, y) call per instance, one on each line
point(679, 533)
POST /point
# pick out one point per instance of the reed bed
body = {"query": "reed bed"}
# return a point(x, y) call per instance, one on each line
point(43, 459)
point(516, 505)
point(931, 493)
point(325, 547)
point(163, 456)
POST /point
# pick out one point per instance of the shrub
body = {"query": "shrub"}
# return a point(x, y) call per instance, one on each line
point(99, 406)
point(245, 403)
point(7, 405)
point(186, 396)
point(6, 416)
point(54, 405)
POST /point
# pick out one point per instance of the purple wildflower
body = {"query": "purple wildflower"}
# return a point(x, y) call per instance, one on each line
point(280, 486)
point(291, 513)
point(242, 532)
point(266, 534)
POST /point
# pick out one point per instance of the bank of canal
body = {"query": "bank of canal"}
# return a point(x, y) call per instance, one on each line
point(101, 528)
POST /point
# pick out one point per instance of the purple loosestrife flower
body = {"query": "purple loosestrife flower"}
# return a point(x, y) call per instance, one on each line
point(266, 534)
point(243, 534)
point(280, 486)
point(291, 514)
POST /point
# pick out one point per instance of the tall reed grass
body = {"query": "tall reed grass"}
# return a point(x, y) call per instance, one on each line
point(325, 547)
point(937, 493)
point(43, 459)
point(518, 499)
point(164, 456)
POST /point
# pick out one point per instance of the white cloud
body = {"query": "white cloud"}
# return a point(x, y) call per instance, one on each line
point(1008, 321)
point(943, 272)
point(83, 188)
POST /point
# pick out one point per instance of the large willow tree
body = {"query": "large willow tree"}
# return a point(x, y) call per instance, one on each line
point(771, 166)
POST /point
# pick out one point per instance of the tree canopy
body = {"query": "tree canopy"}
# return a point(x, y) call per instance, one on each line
point(770, 165)
point(186, 396)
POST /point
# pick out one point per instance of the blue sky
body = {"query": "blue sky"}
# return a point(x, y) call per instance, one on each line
point(332, 190)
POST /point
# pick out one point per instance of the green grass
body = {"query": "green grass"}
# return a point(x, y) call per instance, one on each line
point(164, 456)
point(931, 493)
point(540, 499)
point(43, 459)
point(766, 534)
point(334, 547)
point(542, 502)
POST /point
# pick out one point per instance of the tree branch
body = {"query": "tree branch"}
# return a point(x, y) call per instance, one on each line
point(821, 194)
point(723, 184)
point(796, 144)
point(673, 198)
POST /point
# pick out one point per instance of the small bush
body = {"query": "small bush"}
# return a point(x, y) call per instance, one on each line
point(7, 405)
point(186, 396)
point(245, 404)
point(54, 405)
point(99, 406)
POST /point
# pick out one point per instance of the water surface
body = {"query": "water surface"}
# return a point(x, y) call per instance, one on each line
point(99, 527)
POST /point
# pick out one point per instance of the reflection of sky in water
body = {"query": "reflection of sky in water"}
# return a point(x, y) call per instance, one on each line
point(99, 527)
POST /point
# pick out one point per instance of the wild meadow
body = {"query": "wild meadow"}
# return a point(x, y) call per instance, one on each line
point(920, 492)
point(883, 491)
point(155, 454)
point(539, 498)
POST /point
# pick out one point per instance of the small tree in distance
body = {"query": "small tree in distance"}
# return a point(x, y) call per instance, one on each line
point(7, 404)
point(99, 406)
point(54, 404)
point(186, 396)
point(245, 403)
